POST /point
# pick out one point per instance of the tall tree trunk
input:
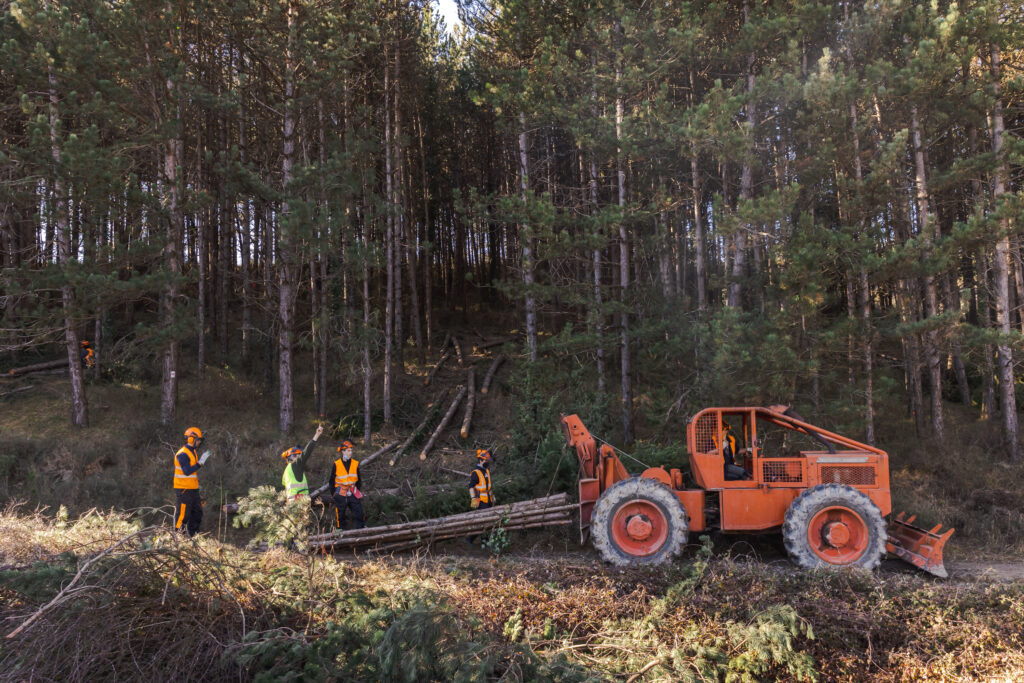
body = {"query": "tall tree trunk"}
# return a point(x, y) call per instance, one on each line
point(201, 223)
point(79, 407)
point(287, 258)
point(746, 180)
point(983, 293)
point(389, 246)
point(933, 356)
point(867, 333)
point(598, 313)
point(866, 330)
point(526, 237)
point(698, 236)
point(428, 298)
point(626, 376)
point(173, 184)
point(1001, 264)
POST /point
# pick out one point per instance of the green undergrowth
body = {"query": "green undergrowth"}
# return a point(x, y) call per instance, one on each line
point(120, 599)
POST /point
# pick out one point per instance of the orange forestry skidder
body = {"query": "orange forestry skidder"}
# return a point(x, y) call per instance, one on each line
point(828, 494)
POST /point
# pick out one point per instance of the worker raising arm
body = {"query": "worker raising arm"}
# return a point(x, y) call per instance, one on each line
point(294, 477)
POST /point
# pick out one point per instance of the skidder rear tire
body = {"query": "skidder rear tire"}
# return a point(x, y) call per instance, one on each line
point(638, 522)
point(832, 525)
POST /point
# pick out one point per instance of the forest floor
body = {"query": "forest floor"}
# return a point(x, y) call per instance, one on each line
point(541, 608)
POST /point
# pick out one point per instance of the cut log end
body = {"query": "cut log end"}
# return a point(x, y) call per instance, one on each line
point(423, 455)
point(464, 433)
point(391, 463)
point(484, 390)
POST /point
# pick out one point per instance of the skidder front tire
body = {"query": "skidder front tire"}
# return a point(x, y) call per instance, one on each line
point(832, 525)
point(638, 522)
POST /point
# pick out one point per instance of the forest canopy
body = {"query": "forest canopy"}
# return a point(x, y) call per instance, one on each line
point(743, 201)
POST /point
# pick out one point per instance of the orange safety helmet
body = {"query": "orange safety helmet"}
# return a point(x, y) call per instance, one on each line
point(345, 445)
point(483, 455)
point(193, 435)
point(84, 343)
point(289, 452)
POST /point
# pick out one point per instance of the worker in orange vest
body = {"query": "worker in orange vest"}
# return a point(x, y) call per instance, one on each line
point(188, 514)
point(480, 494)
point(732, 470)
point(480, 482)
point(345, 482)
point(294, 477)
point(86, 354)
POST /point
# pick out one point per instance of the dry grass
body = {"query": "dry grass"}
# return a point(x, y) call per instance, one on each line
point(704, 615)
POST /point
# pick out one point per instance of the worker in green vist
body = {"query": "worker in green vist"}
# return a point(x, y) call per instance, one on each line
point(480, 494)
point(345, 485)
point(294, 477)
point(188, 514)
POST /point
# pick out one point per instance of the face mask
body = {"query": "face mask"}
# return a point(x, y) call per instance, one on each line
point(346, 456)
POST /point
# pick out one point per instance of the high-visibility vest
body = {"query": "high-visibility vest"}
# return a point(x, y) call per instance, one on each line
point(729, 449)
point(294, 487)
point(182, 480)
point(483, 485)
point(344, 479)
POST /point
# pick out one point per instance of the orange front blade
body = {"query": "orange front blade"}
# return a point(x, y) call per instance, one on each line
point(921, 548)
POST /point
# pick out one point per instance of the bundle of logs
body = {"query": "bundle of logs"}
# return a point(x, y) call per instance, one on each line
point(528, 514)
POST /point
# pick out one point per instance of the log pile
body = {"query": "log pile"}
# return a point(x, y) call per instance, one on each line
point(528, 514)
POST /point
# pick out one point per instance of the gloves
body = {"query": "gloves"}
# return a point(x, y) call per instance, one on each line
point(475, 504)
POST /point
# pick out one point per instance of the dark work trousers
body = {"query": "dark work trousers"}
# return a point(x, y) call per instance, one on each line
point(353, 504)
point(189, 513)
point(482, 506)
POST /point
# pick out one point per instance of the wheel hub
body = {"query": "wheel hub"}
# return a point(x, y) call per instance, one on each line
point(639, 527)
point(837, 534)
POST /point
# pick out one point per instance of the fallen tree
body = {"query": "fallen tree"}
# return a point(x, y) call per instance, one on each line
point(444, 423)
point(37, 367)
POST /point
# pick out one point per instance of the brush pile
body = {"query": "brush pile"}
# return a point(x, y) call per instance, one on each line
point(539, 512)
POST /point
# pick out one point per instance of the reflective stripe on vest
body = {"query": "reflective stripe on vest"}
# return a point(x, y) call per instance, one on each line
point(294, 487)
point(182, 480)
point(483, 485)
point(345, 480)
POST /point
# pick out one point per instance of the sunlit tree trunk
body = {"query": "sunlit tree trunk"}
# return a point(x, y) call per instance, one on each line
point(1001, 264)
point(933, 357)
